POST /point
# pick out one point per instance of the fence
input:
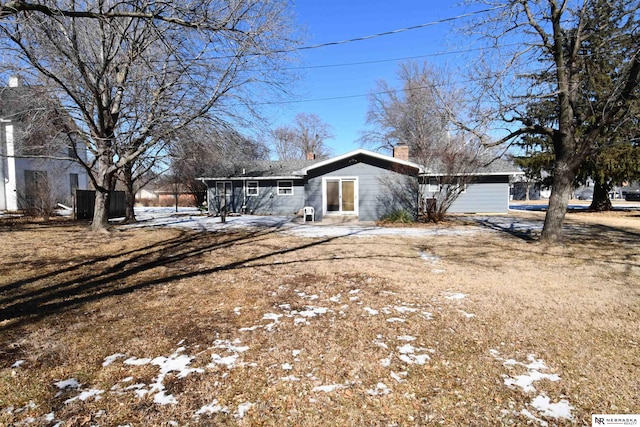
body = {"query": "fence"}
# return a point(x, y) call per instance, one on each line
point(86, 199)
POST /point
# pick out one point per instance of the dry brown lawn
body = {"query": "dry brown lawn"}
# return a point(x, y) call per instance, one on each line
point(168, 327)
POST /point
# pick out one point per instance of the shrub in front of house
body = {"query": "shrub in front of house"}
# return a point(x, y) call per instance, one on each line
point(398, 216)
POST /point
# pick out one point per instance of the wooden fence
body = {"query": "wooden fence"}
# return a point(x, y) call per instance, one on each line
point(86, 199)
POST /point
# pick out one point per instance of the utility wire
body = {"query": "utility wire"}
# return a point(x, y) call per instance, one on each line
point(388, 33)
point(380, 61)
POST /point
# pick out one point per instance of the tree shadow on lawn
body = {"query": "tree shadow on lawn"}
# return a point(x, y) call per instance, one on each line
point(619, 245)
point(21, 304)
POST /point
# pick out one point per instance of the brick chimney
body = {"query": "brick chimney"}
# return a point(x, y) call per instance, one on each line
point(311, 155)
point(401, 151)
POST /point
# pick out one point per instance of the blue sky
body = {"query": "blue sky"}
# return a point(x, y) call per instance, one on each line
point(336, 20)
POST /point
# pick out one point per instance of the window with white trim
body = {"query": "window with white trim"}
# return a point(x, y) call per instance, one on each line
point(285, 188)
point(434, 185)
point(252, 188)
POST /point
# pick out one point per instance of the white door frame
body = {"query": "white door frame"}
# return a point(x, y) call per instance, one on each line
point(340, 179)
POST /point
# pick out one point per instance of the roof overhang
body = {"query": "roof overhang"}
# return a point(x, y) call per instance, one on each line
point(251, 178)
point(360, 151)
point(474, 174)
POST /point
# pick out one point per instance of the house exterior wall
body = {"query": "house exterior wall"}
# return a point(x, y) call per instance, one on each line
point(13, 171)
point(266, 202)
point(379, 186)
point(487, 195)
point(58, 175)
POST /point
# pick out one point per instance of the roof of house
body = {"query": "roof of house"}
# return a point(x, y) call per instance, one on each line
point(488, 165)
point(297, 169)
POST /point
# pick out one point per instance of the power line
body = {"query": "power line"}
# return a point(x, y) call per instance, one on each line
point(380, 61)
point(388, 33)
point(363, 95)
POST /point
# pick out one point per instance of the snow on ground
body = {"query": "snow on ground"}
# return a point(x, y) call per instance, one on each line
point(536, 370)
point(191, 218)
point(404, 351)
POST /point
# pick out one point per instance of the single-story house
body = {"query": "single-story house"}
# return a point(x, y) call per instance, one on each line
point(360, 184)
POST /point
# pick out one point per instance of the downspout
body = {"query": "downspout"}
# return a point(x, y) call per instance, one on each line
point(244, 192)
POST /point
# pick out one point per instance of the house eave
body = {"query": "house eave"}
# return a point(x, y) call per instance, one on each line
point(473, 174)
point(252, 178)
point(359, 151)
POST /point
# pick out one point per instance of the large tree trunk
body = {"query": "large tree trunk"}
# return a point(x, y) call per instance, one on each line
point(104, 185)
point(101, 211)
point(558, 203)
point(601, 201)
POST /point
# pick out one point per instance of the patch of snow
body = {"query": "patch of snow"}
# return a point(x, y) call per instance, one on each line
point(430, 258)
point(438, 271)
point(328, 388)
point(228, 361)
point(70, 383)
point(230, 345)
point(525, 382)
point(404, 310)
point(286, 367)
point(386, 362)
point(137, 362)
point(395, 319)
point(529, 415)
point(454, 295)
point(290, 378)
point(406, 349)
point(18, 363)
point(335, 298)
point(427, 315)
point(313, 311)
point(243, 408)
point(164, 399)
point(296, 353)
point(398, 377)
point(380, 344)
point(406, 338)
point(381, 389)
point(271, 316)
point(87, 394)
point(411, 358)
point(212, 408)
point(371, 311)
point(251, 328)
point(562, 409)
point(467, 315)
point(110, 359)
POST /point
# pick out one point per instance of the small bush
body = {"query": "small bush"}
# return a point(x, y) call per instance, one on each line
point(398, 216)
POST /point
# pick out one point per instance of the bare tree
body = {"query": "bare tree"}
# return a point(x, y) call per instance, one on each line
point(284, 143)
point(130, 82)
point(307, 136)
point(423, 114)
point(204, 150)
point(555, 42)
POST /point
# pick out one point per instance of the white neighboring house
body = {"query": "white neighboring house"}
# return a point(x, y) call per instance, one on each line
point(24, 179)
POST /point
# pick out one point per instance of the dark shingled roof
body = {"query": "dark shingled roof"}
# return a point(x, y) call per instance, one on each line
point(267, 168)
point(488, 166)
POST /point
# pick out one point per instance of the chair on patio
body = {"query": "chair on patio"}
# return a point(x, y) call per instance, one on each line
point(308, 211)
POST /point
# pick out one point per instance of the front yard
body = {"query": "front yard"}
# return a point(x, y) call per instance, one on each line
point(470, 324)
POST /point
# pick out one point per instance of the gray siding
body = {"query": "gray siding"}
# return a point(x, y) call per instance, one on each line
point(380, 190)
point(267, 202)
point(482, 198)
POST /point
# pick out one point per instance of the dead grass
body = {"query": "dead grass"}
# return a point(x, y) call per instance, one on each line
point(69, 299)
